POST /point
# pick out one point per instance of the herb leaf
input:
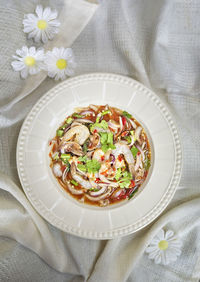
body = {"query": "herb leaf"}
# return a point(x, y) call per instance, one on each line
point(82, 159)
point(77, 115)
point(74, 182)
point(134, 151)
point(93, 166)
point(82, 167)
point(69, 120)
point(126, 114)
point(59, 133)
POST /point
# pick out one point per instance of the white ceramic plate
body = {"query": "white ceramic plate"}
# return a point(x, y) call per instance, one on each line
point(59, 208)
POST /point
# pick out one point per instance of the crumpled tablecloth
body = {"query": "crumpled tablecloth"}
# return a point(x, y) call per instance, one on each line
point(156, 42)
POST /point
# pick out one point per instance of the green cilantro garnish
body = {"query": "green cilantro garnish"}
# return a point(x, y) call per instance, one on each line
point(126, 114)
point(104, 137)
point(134, 151)
point(128, 138)
point(82, 159)
point(123, 178)
point(118, 174)
point(93, 166)
point(69, 120)
point(74, 182)
point(77, 115)
point(107, 141)
point(82, 167)
point(103, 124)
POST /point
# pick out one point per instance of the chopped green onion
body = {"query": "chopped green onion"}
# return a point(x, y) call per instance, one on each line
point(69, 120)
point(126, 114)
point(97, 119)
point(74, 182)
point(77, 115)
point(105, 112)
point(82, 167)
point(59, 132)
point(134, 151)
point(132, 194)
point(65, 156)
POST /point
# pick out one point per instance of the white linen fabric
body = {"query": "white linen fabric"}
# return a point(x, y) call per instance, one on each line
point(156, 42)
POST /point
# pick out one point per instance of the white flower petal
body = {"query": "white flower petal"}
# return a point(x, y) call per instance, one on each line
point(44, 37)
point(32, 34)
point(30, 17)
point(51, 74)
point(28, 29)
point(54, 23)
point(33, 70)
point(169, 234)
point(24, 73)
point(157, 258)
point(53, 15)
point(151, 248)
point(39, 11)
point(32, 51)
point(17, 65)
point(153, 254)
point(46, 13)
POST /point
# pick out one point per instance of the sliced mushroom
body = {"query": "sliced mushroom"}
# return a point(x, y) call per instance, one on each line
point(71, 147)
point(94, 141)
point(80, 133)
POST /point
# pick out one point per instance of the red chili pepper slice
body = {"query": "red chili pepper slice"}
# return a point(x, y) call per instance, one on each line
point(120, 158)
point(95, 131)
point(97, 180)
point(132, 183)
point(123, 121)
point(102, 158)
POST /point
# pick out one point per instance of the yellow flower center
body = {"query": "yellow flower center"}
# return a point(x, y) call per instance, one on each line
point(61, 64)
point(163, 245)
point(29, 61)
point(41, 24)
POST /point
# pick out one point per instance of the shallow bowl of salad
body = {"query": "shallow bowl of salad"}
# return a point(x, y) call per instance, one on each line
point(99, 156)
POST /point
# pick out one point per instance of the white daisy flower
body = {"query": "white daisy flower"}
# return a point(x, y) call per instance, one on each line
point(43, 25)
point(60, 63)
point(164, 248)
point(28, 61)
